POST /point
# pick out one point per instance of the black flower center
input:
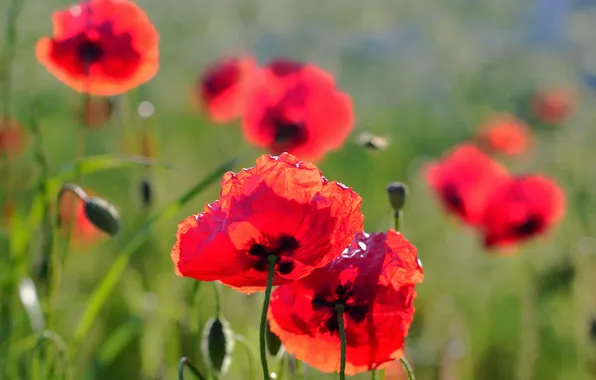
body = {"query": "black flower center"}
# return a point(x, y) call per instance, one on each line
point(217, 82)
point(453, 198)
point(288, 133)
point(529, 226)
point(281, 248)
point(344, 296)
point(90, 51)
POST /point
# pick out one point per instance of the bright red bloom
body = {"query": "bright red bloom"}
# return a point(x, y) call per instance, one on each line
point(297, 108)
point(464, 179)
point(281, 207)
point(224, 87)
point(374, 281)
point(102, 47)
point(13, 138)
point(520, 209)
point(554, 106)
point(71, 211)
point(504, 133)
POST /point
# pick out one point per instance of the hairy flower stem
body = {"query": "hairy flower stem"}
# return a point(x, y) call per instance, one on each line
point(185, 362)
point(342, 340)
point(407, 368)
point(263, 330)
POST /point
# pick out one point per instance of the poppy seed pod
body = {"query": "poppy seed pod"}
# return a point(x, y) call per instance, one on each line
point(273, 342)
point(218, 344)
point(397, 192)
point(103, 215)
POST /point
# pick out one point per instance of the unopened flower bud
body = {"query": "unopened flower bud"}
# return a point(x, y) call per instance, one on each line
point(218, 344)
point(273, 342)
point(397, 192)
point(103, 215)
point(146, 192)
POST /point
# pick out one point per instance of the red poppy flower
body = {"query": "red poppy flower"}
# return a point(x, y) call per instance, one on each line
point(522, 208)
point(297, 108)
point(13, 138)
point(281, 207)
point(555, 105)
point(71, 211)
point(102, 47)
point(374, 281)
point(224, 87)
point(464, 179)
point(504, 133)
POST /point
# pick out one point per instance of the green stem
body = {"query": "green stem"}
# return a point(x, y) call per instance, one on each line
point(101, 293)
point(217, 293)
point(407, 368)
point(299, 369)
point(58, 343)
point(185, 362)
point(272, 259)
point(342, 340)
point(373, 374)
point(397, 217)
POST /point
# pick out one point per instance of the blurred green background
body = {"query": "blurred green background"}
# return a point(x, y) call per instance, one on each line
point(423, 74)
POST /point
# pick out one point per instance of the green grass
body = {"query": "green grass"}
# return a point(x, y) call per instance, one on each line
point(470, 308)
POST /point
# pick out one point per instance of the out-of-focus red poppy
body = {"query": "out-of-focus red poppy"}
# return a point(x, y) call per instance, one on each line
point(554, 106)
point(520, 209)
point(97, 111)
point(101, 47)
point(297, 108)
point(71, 211)
point(463, 181)
point(373, 280)
point(13, 138)
point(504, 133)
point(395, 371)
point(282, 208)
point(224, 87)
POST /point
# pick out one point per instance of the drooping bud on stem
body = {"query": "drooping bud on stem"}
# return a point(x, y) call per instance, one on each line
point(98, 211)
point(103, 215)
point(218, 344)
point(273, 342)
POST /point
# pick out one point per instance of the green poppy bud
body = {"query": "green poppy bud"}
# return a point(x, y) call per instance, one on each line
point(103, 215)
point(218, 344)
point(273, 342)
point(397, 192)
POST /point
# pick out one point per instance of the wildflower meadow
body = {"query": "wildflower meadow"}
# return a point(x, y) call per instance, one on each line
point(279, 190)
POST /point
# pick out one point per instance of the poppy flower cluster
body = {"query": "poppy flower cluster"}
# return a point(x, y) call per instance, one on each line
point(505, 208)
point(283, 213)
point(101, 47)
point(285, 106)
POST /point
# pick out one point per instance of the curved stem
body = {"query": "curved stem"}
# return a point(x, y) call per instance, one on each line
point(263, 329)
point(407, 368)
point(342, 339)
point(251, 355)
point(60, 346)
point(185, 362)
